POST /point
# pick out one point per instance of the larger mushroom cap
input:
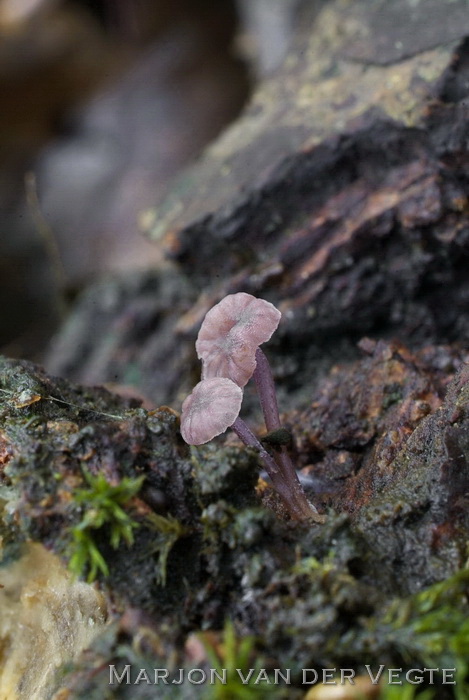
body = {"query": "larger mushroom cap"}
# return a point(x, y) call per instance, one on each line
point(210, 409)
point(231, 333)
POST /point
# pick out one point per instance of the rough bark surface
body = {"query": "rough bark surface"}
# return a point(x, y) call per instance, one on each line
point(341, 196)
point(385, 448)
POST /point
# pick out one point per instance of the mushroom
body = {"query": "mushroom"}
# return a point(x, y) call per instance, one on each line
point(210, 409)
point(231, 333)
point(228, 345)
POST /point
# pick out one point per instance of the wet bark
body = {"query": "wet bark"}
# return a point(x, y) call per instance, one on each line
point(341, 196)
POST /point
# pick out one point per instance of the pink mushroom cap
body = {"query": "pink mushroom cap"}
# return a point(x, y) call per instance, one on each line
point(210, 409)
point(231, 333)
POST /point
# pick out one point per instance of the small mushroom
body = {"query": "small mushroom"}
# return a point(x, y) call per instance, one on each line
point(231, 333)
point(210, 409)
point(228, 345)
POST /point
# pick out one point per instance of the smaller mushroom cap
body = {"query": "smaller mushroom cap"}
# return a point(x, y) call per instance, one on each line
point(231, 333)
point(210, 409)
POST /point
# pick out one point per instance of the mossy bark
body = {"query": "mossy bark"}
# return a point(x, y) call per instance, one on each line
point(341, 195)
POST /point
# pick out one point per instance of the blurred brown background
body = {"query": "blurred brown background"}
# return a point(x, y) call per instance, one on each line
point(101, 104)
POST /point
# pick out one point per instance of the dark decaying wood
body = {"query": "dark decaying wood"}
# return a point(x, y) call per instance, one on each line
point(341, 196)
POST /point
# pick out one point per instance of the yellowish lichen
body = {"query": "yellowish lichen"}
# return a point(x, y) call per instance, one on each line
point(46, 619)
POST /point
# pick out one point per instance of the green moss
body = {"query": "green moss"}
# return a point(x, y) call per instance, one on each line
point(104, 510)
point(433, 628)
point(168, 531)
point(238, 657)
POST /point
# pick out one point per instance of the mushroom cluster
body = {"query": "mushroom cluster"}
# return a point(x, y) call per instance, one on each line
point(228, 345)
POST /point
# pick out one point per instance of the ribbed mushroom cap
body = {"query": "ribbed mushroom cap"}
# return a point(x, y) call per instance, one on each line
point(210, 409)
point(231, 333)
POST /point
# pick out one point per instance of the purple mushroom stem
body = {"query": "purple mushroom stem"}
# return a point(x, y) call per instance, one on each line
point(268, 399)
point(266, 390)
point(247, 436)
point(290, 491)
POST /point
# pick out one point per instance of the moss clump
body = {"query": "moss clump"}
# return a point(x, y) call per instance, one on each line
point(104, 510)
point(167, 532)
point(433, 627)
point(237, 656)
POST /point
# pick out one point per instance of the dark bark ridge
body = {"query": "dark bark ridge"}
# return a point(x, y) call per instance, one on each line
point(340, 195)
